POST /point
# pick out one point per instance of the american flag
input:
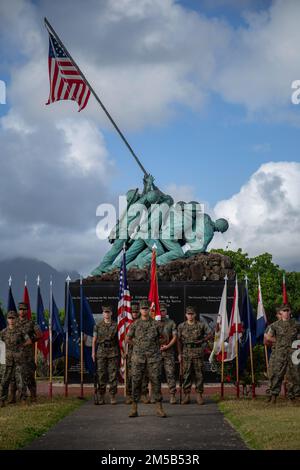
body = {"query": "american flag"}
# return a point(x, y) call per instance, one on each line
point(66, 83)
point(124, 310)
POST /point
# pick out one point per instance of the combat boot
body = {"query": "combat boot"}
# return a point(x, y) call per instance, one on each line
point(113, 400)
point(2, 404)
point(186, 399)
point(101, 399)
point(133, 412)
point(145, 399)
point(273, 399)
point(200, 400)
point(173, 399)
point(128, 400)
point(268, 399)
point(13, 400)
point(159, 410)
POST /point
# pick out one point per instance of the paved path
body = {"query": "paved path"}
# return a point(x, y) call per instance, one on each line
point(187, 427)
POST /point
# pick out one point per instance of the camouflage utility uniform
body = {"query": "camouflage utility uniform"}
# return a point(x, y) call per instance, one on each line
point(285, 333)
point(146, 356)
point(30, 329)
point(192, 354)
point(14, 340)
point(106, 335)
point(129, 375)
point(169, 329)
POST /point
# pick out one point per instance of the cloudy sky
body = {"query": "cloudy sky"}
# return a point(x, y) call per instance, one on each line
point(201, 89)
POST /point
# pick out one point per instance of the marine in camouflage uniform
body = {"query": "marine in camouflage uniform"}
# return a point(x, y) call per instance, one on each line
point(169, 329)
point(191, 337)
point(32, 330)
point(15, 343)
point(282, 333)
point(145, 335)
point(105, 341)
point(135, 311)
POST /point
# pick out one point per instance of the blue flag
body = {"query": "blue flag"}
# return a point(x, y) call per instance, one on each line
point(43, 342)
point(57, 332)
point(11, 302)
point(249, 328)
point(2, 320)
point(87, 323)
point(71, 327)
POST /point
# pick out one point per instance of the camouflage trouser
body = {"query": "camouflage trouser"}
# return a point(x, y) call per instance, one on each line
point(190, 365)
point(139, 368)
point(280, 367)
point(145, 380)
point(15, 370)
point(107, 370)
point(2, 369)
point(168, 366)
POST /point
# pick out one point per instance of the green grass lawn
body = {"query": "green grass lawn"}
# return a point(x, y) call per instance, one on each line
point(264, 426)
point(21, 424)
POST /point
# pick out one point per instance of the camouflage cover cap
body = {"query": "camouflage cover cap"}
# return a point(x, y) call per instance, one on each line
point(190, 309)
point(106, 308)
point(163, 306)
point(145, 304)
point(284, 307)
point(135, 307)
point(23, 306)
point(12, 314)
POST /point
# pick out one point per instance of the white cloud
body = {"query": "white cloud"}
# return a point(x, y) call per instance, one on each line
point(264, 214)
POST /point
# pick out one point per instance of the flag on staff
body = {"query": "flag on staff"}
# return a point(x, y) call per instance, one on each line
point(2, 320)
point(43, 342)
point(284, 292)
point(235, 326)
point(124, 310)
point(57, 332)
point(261, 319)
point(26, 300)
point(248, 324)
point(153, 293)
point(221, 331)
point(11, 306)
point(87, 327)
point(71, 327)
point(66, 82)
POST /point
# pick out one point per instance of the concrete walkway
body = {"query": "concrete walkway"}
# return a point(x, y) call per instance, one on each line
point(187, 427)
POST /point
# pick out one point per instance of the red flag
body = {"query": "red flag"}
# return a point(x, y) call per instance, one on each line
point(284, 293)
point(153, 293)
point(27, 301)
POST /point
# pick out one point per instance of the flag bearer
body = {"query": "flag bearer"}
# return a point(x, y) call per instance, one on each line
point(191, 337)
point(168, 351)
point(105, 346)
point(15, 343)
point(281, 334)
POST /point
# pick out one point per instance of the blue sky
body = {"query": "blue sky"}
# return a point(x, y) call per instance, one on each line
point(200, 89)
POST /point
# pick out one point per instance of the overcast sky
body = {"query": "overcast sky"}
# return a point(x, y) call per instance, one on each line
point(202, 91)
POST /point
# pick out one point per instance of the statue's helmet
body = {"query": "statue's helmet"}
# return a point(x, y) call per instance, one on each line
point(221, 225)
point(181, 204)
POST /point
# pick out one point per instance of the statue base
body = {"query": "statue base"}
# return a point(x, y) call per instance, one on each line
point(200, 267)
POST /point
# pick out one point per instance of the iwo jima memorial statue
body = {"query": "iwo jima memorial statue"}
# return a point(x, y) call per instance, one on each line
point(179, 231)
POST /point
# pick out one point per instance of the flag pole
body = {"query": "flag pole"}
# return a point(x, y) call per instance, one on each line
point(51, 30)
point(81, 338)
point(250, 341)
point(67, 335)
point(36, 343)
point(50, 339)
point(236, 344)
point(223, 344)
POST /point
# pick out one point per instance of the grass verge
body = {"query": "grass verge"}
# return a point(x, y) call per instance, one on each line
point(264, 426)
point(19, 425)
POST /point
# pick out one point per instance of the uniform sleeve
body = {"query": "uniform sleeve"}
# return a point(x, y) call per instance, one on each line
point(272, 330)
point(2, 335)
point(179, 330)
point(131, 331)
point(174, 329)
point(95, 331)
